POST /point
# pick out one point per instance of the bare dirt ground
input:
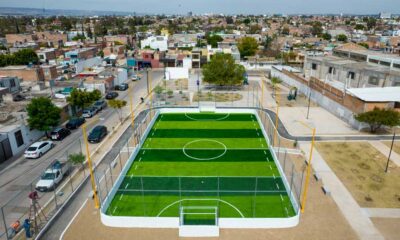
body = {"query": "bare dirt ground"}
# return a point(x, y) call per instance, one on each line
point(389, 227)
point(361, 168)
point(321, 220)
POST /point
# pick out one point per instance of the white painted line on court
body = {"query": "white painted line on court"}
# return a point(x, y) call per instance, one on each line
point(265, 152)
point(140, 159)
point(281, 197)
point(277, 186)
point(273, 175)
point(136, 167)
point(121, 196)
point(115, 209)
point(270, 167)
point(126, 185)
point(144, 152)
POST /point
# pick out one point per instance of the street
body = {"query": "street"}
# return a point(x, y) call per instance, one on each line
point(17, 179)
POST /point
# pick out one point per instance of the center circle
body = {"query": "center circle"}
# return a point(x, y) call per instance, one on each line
point(185, 148)
point(207, 119)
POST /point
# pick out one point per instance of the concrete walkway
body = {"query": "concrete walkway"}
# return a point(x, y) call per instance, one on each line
point(356, 217)
point(384, 149)
point(382, 212)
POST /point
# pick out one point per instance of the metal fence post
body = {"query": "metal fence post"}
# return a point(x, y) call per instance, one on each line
point(119, 157)
point(284, 162)
point(105, 180)
point(291, 180)
point(112, 180)
point(5, 224)
point(55, 194)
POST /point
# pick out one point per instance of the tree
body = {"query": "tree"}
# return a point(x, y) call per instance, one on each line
point(275, 81)
point(43, 114)
point(247, 46)
point(79, 98)
point(379, 117)
point(316, 28)
point(101, 53)
point(77, 159)
point(359, 27)
point(79, 37)
point(326, 36)
point(117, 104)
point(213, 40)
point(285, 30)
point(22, 57)
point(341, 38)
point(363, 44)
point(222, 70)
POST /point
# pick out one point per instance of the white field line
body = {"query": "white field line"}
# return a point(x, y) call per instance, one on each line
point(170, 205)
point(256, 148)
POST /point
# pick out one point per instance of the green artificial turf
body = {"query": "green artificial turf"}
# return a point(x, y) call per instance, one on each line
point(203, 159)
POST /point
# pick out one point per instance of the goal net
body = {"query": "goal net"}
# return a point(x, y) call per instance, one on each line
point(198, 215)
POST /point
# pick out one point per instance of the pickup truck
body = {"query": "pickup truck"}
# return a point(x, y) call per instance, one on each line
point(53, 176)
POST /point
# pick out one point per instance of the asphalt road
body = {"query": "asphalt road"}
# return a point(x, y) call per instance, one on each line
point(16, 177)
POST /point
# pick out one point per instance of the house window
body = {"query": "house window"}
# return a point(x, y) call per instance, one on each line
point(332, 70)
point(12, 83)
point(314, 66)
point(351, 75)
point(373, 80)
point(18, 138)
point(396, 65)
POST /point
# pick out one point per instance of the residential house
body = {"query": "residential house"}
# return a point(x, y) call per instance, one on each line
point(26, 73)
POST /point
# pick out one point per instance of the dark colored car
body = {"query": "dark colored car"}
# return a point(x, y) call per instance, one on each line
point(18, 98)
point(59, 133)
point(75, 123)
point(97, 134)
point(111, 95)
point(122, 87)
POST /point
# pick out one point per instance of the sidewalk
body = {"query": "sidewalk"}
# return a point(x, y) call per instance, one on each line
point(355, 215)
point(381, 147)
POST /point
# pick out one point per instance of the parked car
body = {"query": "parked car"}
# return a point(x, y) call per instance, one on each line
point(18, 98)
point(122, 87)
point(59, 133)
point(111, 95)
point(37, 149)
point(89, 112)
point(100, 105)
point(53, 176)
point(135, 77)
point(75, 123)
point(97, 134)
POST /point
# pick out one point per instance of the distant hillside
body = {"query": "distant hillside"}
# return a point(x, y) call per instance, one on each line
point(8, 11)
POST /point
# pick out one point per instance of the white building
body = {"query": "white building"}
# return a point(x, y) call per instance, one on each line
point(155, 42)
point(385, 15)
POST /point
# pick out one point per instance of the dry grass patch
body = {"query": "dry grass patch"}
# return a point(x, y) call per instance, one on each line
point(218, 97)
point(361, 168)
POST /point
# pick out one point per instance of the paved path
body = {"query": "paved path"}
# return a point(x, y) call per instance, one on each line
point(356, 217)
point(382, 212)
point(384, 149)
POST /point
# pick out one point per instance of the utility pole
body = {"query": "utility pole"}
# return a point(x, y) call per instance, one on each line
point(309, 102)
point(390, 152)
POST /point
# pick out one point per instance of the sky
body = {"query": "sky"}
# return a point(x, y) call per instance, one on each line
point(217, 6)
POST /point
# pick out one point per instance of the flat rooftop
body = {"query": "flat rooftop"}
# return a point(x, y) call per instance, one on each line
point(386, 94)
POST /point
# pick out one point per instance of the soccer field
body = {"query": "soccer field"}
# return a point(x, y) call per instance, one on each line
point(204, 161)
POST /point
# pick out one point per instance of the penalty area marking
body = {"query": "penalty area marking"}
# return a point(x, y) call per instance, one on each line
point(217, 119)
point(205, 140)
point(198, 199)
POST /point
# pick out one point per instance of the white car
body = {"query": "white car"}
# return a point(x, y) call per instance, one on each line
point(37, 149)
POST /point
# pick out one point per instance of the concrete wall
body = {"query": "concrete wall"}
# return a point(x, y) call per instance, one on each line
point(88, 63)
point(29, 136)
point(172, 73)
